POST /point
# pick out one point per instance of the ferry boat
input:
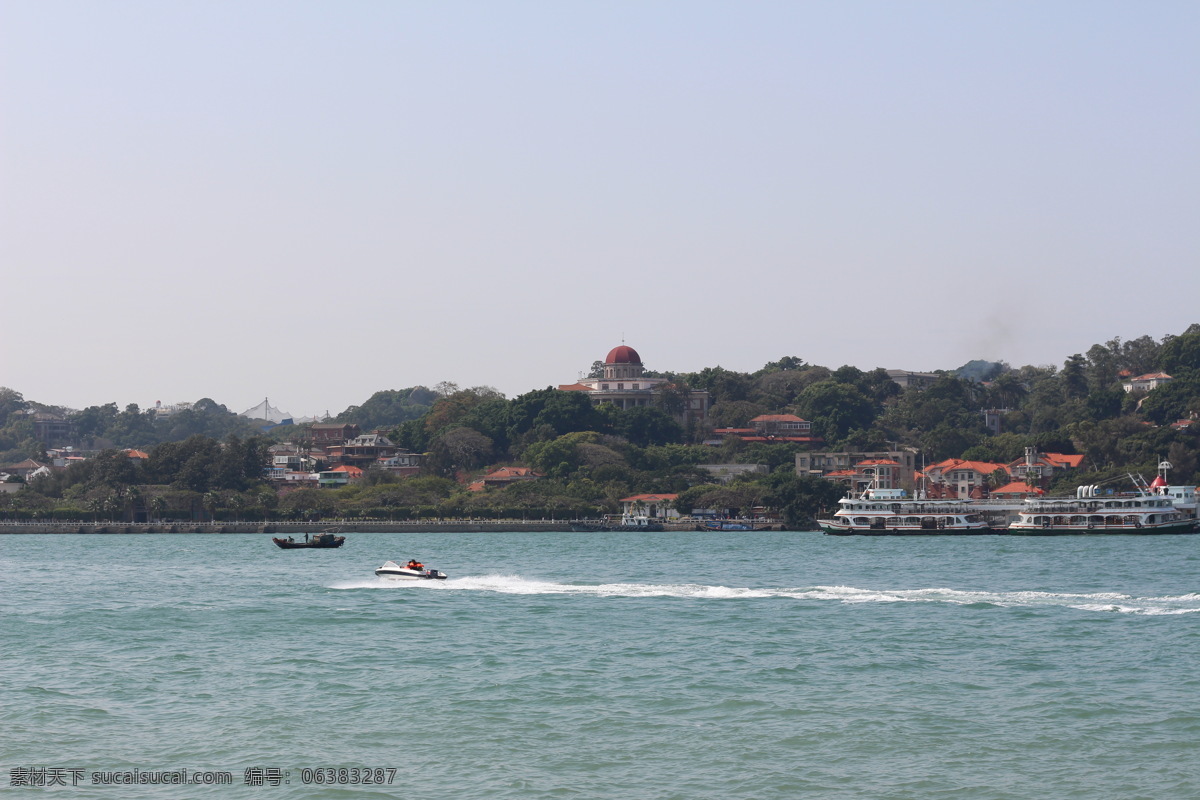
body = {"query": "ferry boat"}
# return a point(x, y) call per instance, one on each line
point(890, 512)
point(1152, 509)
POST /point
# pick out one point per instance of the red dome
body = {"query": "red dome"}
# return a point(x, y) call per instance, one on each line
point(623, 355)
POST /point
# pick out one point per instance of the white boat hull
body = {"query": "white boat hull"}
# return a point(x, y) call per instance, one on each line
point(394, 571)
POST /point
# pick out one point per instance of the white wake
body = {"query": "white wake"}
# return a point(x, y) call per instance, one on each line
point(515, 584)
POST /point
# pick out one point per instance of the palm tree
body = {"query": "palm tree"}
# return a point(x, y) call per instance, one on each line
point(211, 501)
point(158, 506)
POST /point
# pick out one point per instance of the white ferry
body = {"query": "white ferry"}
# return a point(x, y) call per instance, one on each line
point(1156, 508)
point(890, 512)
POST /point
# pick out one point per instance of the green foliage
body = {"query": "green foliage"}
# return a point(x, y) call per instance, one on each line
point(722, 385)
point(1176, 400)
point(785, 364)
point(11, 402)
point(389, 407)
point(980, 371)
point(1179, 353)
point(799, 499)
point(458, 448)
point(834, 408)
point(206, 461)
point(645, 426)
point(560, 457)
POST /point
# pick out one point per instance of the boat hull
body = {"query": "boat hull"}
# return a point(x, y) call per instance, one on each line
point(732, 526)
point(839, 530)
point(1187, 526)
point(317, 543)
point(395, 572)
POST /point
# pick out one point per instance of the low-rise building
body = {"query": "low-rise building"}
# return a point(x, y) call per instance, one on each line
point(724, 473)
point(340, 475)
point(502, 477)
point(861, 470)
point(1147, 382)
point(773, 428)
point(53, 430)
point(913, 380)
point(402, 463)
point(955, 478)
point(332, 433)
point(362, 451)
point(1016, 490)
point(1034, 467)
point(26, 469)
point(653, 506)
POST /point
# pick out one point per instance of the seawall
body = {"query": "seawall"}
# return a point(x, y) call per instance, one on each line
point(292, 528)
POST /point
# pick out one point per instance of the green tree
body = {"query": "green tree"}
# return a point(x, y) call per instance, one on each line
point(457, 449)
point(1179, 353)
point(799, 499)
point(1074, 377)
point(644, 426)
point(835, 408)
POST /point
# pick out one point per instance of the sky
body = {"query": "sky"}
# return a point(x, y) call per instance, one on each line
point(315, 201)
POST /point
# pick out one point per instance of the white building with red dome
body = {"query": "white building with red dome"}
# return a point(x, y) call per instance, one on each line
point(623, 383)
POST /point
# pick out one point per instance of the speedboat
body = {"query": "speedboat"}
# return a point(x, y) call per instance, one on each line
point(393, 570)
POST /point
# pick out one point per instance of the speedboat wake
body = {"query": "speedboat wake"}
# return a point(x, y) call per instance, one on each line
point(516, 585)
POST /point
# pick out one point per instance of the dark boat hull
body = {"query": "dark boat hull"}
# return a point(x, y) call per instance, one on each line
point(322, 542)
point(732, 526)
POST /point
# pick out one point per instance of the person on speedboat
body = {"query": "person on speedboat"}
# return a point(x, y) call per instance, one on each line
point(414, 564)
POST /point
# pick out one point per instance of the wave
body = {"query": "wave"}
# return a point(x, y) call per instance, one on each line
point(515, 584)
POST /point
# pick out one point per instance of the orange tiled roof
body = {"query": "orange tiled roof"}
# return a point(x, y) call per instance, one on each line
point(982, 467)
point(574, 387)
point(1069, 461)
point(1016, 487)
point(512, 472)
point(777, 418)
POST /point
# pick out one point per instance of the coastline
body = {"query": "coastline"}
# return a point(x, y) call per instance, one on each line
point(340, 526)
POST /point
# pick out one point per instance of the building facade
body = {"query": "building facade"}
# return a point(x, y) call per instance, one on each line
point(624, 384)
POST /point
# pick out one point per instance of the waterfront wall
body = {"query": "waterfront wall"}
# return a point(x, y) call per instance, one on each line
point(293, 528)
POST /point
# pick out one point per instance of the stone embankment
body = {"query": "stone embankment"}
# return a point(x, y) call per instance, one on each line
point(292, 528)
point(285, 528)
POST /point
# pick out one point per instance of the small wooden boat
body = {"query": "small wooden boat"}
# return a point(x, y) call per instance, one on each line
point(320, 540)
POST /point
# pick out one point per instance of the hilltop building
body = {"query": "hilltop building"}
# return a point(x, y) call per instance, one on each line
point(53, 430)
point(623, 383)
point(1147, 382)
point(773, 428)
point(915, 380)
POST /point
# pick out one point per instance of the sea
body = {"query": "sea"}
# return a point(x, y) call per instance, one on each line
point(632, 666)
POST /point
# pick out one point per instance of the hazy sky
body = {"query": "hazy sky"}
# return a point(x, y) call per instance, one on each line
point(315, 201)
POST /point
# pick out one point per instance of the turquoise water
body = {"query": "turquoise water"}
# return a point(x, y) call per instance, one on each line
point(671, 665)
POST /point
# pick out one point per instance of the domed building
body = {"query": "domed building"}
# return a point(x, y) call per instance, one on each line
point(624, 384)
